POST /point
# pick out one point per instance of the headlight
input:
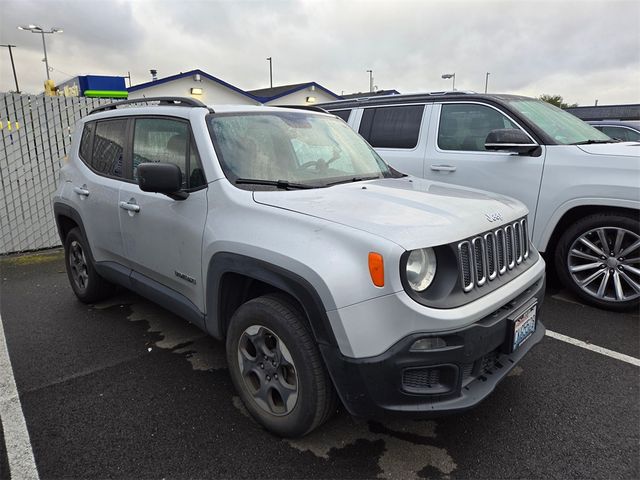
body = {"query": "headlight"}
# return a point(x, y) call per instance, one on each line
point(421, 268)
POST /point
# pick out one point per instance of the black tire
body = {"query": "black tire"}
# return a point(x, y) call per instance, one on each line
point(88, 286)
point(587, 228)
point(316, 399)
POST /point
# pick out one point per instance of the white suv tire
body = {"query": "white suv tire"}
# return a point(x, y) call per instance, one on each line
point(598, 259)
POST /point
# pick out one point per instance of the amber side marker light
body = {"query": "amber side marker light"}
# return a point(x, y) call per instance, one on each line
point(376, 269)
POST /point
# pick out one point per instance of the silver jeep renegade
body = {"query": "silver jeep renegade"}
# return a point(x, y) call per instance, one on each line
point(329, 275)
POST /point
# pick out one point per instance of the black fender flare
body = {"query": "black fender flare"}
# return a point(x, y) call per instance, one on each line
point(291, 283)
point(63, 210)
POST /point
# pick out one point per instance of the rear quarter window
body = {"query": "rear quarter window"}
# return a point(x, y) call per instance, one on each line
point(343, 114)
point(86, 142)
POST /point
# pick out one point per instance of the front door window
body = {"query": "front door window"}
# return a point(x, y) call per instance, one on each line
point(465, 126)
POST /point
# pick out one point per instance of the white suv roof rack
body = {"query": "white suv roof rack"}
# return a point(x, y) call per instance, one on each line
point(175, 101)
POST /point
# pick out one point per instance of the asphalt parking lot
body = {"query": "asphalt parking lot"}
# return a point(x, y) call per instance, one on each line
point(125, 389)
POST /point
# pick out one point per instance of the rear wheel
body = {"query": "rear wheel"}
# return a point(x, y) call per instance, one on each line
point(598, 258)
point(88, 286)
point(276, 367)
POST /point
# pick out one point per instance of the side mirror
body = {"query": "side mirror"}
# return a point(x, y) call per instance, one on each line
point(510, 140)
point(163, 178)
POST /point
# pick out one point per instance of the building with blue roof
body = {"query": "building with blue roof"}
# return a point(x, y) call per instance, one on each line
point(306, 93)
point(213, 90)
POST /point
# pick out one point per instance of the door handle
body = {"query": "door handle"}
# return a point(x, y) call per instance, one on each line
point(131, 207)
point(444, 168)
point(81, 191)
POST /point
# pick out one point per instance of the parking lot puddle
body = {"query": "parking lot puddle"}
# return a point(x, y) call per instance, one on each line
point(403, 458)
point(173, 330)
point(407, 452)
point(202, 351)
point(204, 354)
point(407, 449)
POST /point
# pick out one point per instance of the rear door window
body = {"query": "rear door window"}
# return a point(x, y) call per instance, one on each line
point(392, 127)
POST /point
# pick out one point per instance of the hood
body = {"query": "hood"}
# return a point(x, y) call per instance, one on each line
point(622, 149)
point(410, 212)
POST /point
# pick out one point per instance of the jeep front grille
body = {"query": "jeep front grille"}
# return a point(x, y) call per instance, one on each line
point(485, 257)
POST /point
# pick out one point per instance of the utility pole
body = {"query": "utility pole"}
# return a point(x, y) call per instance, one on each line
point(129, 78)
point(370, 80)
point(46, 60)
point(13, 66)
point(486, 81)
point(270, 71)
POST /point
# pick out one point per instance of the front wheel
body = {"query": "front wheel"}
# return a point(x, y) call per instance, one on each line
point(598, 258)
point(276, 367)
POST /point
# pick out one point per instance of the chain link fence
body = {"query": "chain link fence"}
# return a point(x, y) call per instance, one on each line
point(36, 135)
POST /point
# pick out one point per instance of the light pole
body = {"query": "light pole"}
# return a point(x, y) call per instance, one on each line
point(41, 31)
point(486, 81)
point(13, 67)
point(270, 71)
point(450, 75)
point(370, 72)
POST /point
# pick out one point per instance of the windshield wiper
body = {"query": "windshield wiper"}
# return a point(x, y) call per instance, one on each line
point(281, 184)
point(353, 179)
point(592, 142)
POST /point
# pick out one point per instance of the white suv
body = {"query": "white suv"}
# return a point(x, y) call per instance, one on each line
point(283, 233)
point(581, 187)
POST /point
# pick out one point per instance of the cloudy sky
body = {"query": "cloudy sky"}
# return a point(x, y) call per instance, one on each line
point(584, 50)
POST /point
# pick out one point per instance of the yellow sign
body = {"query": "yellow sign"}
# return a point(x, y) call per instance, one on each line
point(70, 91)
point(49, 88)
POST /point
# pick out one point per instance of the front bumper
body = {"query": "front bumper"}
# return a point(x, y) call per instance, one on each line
point(450, 379)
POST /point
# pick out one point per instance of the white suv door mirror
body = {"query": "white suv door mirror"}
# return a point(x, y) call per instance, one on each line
point(511, 140)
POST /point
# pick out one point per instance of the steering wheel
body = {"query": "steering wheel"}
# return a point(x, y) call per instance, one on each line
point(313, 163)
point(322, 164)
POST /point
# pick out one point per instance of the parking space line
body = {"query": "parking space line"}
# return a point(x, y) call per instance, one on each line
point(594, 348)
point(22, 464)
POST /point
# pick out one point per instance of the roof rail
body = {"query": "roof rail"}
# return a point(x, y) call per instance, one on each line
point(449, 92)
point(443, 92)
point(177, 101)
point(311, 108)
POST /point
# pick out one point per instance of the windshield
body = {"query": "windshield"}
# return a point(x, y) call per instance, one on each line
point(294, 149)
point(563, 127)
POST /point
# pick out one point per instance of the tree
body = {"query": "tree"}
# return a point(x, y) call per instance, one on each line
point(556, 100)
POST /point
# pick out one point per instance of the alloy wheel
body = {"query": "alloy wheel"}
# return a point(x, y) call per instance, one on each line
point(605, 263)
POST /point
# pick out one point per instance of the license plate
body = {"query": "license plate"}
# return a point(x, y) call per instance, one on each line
point(523, 327)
